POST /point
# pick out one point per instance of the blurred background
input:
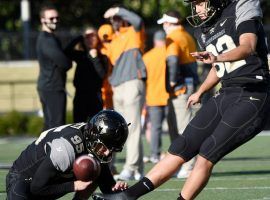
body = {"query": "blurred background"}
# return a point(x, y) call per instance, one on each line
point(19, 27)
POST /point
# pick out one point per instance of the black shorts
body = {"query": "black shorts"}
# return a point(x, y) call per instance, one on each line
point(229, 119)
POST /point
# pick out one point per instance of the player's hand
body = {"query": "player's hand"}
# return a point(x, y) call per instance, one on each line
point(172, 84)
point(120, 185)
point(93, 53)
point(205, 57)
point(81, 185)
point(111, 12)
point(193, 99)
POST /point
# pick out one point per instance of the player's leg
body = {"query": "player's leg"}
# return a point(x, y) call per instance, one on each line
point(198, 178)
point(241, 121)
point(17, 188)
point(182, 149)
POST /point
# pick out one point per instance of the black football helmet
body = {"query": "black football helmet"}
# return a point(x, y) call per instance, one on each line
point(107, 128)
point(213, 9)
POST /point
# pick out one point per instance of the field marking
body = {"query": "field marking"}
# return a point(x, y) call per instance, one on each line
point(227, 179)
point(219, 188)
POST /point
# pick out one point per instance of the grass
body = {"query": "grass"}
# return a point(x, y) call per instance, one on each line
point(243, 174)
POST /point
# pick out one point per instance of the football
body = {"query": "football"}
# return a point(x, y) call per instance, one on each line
point(86, 168)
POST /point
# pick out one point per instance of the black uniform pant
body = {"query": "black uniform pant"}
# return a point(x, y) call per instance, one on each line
point(17, 187)
point(54, 108)
point(225, 122)
point(85, 105)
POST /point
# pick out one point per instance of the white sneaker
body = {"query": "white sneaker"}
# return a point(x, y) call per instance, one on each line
point(154, 160)
point(125, 175)
point(146, 159)
point(183, 174)
point(138, 176)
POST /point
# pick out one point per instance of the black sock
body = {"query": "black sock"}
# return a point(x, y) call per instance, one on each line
point(140, 188)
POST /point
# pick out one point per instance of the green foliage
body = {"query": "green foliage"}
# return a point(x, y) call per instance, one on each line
point(13, 123)
point(35, 125)
point(77, 13)
point(3, 126)
point(69, 118)
point(17, 123)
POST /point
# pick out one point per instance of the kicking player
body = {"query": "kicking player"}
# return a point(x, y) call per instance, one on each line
point(232, 38)
point(44, 168)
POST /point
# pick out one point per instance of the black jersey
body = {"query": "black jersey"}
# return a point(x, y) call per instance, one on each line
point(224, 35)
point(62, 144)
point(49, 160)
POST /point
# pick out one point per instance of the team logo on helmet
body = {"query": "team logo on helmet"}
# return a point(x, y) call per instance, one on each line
point(106, 130)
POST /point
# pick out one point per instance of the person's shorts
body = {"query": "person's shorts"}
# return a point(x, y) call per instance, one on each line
point(228, 120)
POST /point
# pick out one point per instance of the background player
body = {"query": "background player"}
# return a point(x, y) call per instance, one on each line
point(232, 35)
point(44, 168)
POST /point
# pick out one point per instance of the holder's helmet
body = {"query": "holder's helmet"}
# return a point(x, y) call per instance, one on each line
point(213, 9)
point(107, 129)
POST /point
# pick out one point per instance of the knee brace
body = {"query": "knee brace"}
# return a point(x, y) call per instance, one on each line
point(178, 146)
point(184, 148)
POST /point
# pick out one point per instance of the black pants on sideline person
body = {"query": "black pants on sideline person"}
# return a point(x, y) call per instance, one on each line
point(54, 108)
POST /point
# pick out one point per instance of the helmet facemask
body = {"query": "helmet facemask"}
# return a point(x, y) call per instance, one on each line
point(98, 148)
point(94, 145)
point(104, 134)
point(195, 20)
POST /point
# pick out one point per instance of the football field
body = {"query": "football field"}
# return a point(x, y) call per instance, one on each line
point(242, 175)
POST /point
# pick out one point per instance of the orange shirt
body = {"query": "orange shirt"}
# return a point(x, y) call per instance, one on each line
point(155, 61)
point(127, 39)
point(126, 57)
point(106, 89)
point(180, 43)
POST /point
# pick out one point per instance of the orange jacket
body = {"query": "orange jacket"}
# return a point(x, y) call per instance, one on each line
point(125, 50)
point(155, 61)
point(180, 43)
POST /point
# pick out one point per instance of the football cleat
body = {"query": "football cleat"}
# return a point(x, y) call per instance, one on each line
point(116, 196)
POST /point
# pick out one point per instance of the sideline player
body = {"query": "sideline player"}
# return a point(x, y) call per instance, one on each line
point(232, 37)
point(44, 168)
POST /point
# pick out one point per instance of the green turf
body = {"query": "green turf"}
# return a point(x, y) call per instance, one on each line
point(242, 175)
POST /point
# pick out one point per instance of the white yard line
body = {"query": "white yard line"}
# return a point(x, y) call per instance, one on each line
point(229, 179)
point(219, 188)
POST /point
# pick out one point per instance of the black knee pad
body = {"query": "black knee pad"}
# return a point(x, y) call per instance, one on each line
point(178, 146)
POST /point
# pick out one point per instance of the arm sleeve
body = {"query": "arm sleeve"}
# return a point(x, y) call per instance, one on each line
point(69, 50)
point(53, 51)
point(101, 65)
point(172, 60)
point(105, 186)
point(62, 154)
point(40, 184)
point(250, 26)
point(134, 19)
point(246, 10)
point(172, 65)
